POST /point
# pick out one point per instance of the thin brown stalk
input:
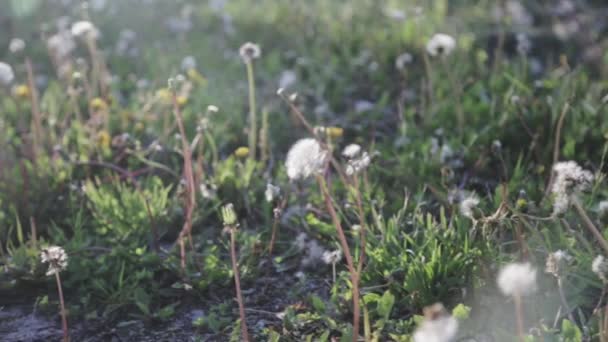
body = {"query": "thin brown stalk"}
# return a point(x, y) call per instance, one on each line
point(190, 201)
point(237, 283)
point(589, 224)
point(363, 230)
point(33, 230)
point(275, 223)
point(347, 255)
point(64, 319)
point(558, 135)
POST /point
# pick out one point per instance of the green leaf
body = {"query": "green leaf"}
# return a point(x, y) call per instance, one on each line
point(570, 332)
point(461, 312)
point(385, 304)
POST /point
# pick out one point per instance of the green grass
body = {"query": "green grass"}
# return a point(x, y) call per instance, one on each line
point(478, 120)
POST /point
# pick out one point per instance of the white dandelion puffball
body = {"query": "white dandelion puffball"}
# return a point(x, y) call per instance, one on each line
point(56, 257)
point(84, 28)
point(271, 192)
point(440, 44)
point(468, 204)
point(305, 158)
point(570, 179)
point(332, 257)
point(517, 279)
point(358, 164)
point(438, 326)
point(16, 45)
point(6, 73)
point(250, 51)
point(351, 151)
point(599, 266)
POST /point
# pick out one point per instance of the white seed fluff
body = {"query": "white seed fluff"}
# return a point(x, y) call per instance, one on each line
point(467, 205)
point(440, 45)
point(305, 158)
point(84, 28)
point(6, 73)
point(56, 257)
point(570, 179)
point(442, 329)
point(271, 192)
point(599, 266)
point(351, 151)
point(517, 279)
point(250, 51)
point(332, 257)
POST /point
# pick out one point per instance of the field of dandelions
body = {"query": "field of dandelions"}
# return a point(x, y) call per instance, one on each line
point(361, 170)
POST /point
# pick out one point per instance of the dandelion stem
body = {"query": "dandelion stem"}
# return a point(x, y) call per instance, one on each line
point(252, 117)
point(275, 224)
point(237, 282)
point(519, 315)
point(589, 224)
point(64, 320)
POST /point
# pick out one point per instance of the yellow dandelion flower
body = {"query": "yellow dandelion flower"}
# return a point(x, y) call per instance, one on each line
point(182, 100)
point(22, 91)
point(164, 95)
point(196, 77)
point(98, 104)
point(335, 132)
point(241, 152)
point(104, 139)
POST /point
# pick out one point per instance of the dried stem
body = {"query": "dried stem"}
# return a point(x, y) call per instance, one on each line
point(237, 282)
point(190, 186)
point(589, 224)
point(64, 319)
point(347, 254)
point(275, 223)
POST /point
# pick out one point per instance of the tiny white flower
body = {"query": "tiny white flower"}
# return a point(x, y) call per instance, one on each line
point(305, 158)
point(84, 29)
point(250, 51)
point(212, 109)
point(208, 190)
point(56, 257)
point(16, 45)
point(599, 266)
point(280, 91)
point(271, 192)
point(440, 45)
point(6, 73)
point(517, 279)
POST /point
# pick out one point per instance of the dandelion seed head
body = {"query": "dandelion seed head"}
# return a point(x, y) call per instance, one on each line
point(351, 151)
point(6, 73)
point(517, 279)
point(212, 109)
point(305, 158)
point(599, 266)
point(271, 192)
point(468, 204)
point(16, 45)
point(358, 164)
point(570, 179)
point(84, 29)
point(56, 257)
point(250, 51)
point(332, 257)
point(402, 60)
point(556, 262)
point(438, 325)
point(440, 45)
